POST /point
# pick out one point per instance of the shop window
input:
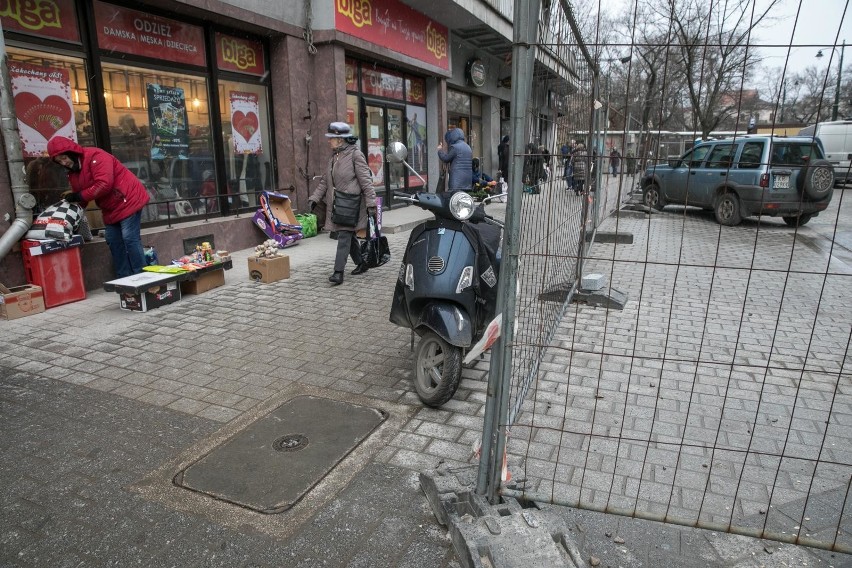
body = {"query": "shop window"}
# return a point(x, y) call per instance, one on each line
point(51, 97)
point(246, 130)
point(159, 128)
point(418, 150)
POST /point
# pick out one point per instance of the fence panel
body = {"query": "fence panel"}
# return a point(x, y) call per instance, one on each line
point(721, 395)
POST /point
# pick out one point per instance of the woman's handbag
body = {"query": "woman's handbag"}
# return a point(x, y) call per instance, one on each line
point(346, 208)
point(442, 180)
point(374, 250)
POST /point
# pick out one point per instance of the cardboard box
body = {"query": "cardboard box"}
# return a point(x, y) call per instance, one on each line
point(153, 297)
point(20, 301)
point(203, 283)
point(276, 219)
point(269, 269)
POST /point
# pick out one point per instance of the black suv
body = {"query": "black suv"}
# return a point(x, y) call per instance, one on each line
point(749, 175)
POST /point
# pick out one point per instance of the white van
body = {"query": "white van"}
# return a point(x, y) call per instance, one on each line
point(836, 138)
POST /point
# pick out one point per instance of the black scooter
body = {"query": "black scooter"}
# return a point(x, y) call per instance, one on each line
point(447, 287)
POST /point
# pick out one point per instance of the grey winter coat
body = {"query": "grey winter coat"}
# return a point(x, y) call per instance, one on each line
point(460, 158)
point(347, 171)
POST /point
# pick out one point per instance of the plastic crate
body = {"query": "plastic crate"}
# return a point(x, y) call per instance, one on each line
point(59, 273)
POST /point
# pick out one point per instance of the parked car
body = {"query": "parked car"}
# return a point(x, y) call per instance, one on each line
point(836, 138)
point(787, 177)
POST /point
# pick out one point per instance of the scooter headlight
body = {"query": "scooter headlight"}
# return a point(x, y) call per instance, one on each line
point(465, 280)
point(409, 276)
point(461, 205)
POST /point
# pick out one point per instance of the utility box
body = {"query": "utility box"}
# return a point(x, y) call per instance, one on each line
point(593, 282)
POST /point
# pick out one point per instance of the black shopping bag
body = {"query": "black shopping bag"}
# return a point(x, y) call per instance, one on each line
point(374, 249)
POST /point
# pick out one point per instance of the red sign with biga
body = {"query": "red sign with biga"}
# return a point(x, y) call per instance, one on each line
point(42, 98)
point(239, 55)
point(55, 19)
point(394, 25)
point(129, 31)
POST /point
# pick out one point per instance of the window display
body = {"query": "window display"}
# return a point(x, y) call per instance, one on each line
point(159, 127)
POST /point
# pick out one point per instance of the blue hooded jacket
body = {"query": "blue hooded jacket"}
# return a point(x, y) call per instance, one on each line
point(460, 159)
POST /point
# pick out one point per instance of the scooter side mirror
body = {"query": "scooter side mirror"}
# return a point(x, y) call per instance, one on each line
point(396, 152)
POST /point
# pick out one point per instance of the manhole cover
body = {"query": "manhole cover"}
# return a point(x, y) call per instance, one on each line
point(290, 443)
point(269, 466)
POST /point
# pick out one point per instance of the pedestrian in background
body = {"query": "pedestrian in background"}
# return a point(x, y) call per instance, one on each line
point(459, 157)
point(614, 161)
point(348, 173)
point(631, 163)
point(579, 167)
point(503, 152)
point(96, 175)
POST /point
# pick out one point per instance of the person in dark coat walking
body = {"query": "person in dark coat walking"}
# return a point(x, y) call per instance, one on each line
point(459, 156)
point(503, 154)
point(614, 161)
point(579, 166)
point(347, 172)
point(96, 175)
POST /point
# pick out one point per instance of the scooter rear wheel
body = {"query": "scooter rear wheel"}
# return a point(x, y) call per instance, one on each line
point(437, 367)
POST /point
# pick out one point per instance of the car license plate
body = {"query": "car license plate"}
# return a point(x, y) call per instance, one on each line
point(781, 182)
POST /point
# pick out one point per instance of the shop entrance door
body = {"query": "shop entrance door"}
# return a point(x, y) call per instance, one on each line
point(384, 125)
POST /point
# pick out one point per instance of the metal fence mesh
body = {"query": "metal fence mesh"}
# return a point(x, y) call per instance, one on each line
point(721, 395)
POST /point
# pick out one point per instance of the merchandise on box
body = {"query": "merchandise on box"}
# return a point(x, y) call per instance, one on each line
point(147, 290)
point(20, 301)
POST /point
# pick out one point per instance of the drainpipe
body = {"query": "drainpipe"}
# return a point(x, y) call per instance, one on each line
point(24, 200)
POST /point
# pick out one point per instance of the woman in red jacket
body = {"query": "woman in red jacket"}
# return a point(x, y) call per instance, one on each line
point(95, 174)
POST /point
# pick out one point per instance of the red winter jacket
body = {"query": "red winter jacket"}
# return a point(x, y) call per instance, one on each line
point(102, 178)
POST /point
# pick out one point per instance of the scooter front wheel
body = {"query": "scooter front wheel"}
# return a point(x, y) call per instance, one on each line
point(437, 367)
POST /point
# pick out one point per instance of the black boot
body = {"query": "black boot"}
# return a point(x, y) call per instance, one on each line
point(360, 269)
point(336, 278)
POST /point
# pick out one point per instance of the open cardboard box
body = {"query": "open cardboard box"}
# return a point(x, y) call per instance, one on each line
point(276, 219)
point(20, 301)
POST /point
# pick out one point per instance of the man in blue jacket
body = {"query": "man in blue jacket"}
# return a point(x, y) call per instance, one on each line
point(459, 156)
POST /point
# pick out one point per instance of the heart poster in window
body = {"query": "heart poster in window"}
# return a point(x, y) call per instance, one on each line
point(245, 123)
point(42, 98)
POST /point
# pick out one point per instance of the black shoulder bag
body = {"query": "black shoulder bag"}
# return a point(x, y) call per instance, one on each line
point(346, 208)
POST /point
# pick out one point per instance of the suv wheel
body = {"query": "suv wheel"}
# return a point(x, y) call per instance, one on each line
point(652, 198)
point(798, 220)
point(727, 209)
point(817, 179)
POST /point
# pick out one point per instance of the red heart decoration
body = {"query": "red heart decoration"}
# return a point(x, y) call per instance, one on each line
point(44, 116)
point(245, 124)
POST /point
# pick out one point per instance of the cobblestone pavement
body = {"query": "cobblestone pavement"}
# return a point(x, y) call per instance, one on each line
point(99, 406)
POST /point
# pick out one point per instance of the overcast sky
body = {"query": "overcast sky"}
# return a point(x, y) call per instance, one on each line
point(816, 27)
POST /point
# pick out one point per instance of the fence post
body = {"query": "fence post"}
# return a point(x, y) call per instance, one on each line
point(500, 373)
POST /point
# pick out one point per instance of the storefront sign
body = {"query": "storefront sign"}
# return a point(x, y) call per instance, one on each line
point(475, 70)
point(394, 25)
point(167, 116)
point(245, 124)
point(239, 55)
point(43, 105)
point(129, 31)
point(44, 18)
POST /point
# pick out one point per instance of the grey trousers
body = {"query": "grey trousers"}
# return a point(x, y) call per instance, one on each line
point(347, 244)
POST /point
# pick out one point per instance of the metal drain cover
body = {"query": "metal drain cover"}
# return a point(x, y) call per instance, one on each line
point(271, 464)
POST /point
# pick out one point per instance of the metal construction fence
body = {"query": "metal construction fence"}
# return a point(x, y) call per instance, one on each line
point(720, 396)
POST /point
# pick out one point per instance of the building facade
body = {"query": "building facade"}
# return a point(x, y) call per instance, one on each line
point(210, 103)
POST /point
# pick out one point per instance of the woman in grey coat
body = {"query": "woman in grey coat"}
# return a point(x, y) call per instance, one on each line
point(347, 172)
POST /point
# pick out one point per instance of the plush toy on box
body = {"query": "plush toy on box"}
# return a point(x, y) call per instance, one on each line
point(275, 218)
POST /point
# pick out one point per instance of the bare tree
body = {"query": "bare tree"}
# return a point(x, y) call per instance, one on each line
point(710, 43)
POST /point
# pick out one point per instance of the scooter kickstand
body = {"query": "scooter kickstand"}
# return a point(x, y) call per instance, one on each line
point(412, 340)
